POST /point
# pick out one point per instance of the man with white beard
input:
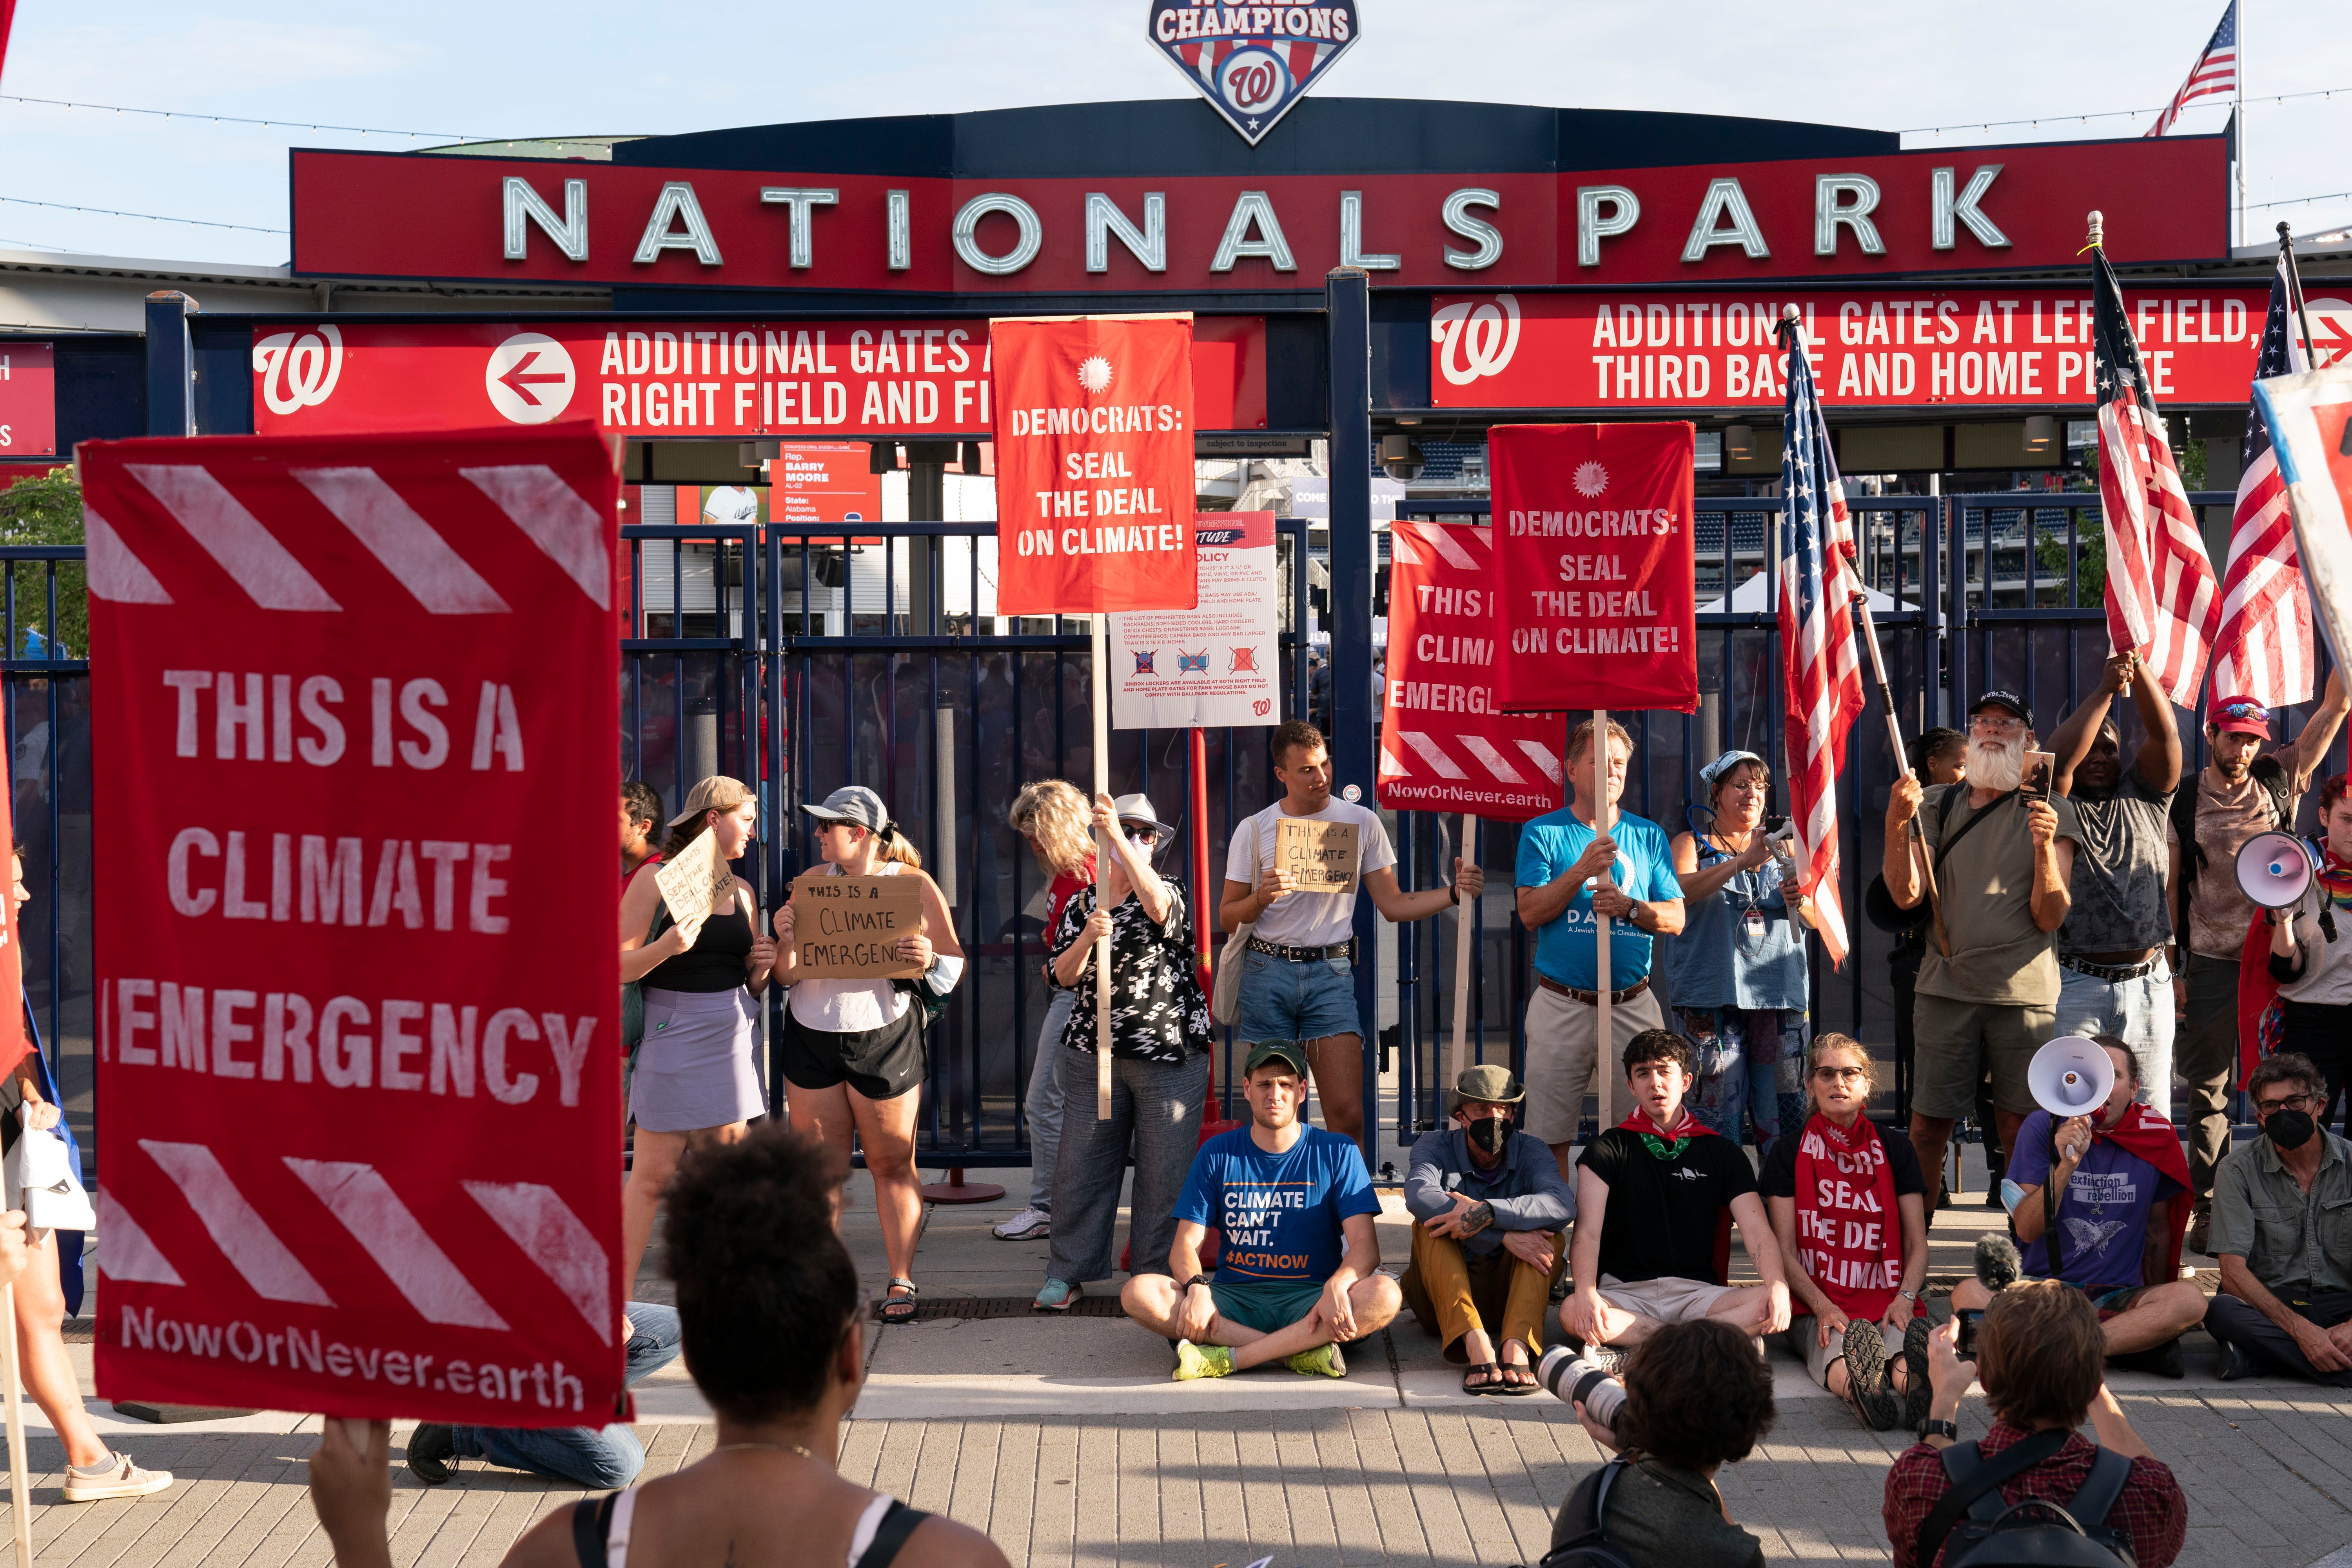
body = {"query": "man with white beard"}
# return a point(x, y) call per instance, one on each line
point(1988, 988)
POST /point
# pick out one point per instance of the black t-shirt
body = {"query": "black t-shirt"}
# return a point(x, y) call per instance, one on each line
point(1665, 1215)
point(1779, 1177)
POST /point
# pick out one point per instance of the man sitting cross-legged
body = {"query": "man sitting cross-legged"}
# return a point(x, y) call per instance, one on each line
point(1286, 1288)
point(1654, 1199)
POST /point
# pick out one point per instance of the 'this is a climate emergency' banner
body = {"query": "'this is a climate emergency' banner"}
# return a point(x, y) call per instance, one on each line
point(1093, 464)
point(358, 1026)
point(1444, 745)
point(1594, 567)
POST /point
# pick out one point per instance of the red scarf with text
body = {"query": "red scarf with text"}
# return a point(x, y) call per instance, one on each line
point(1849, 1229)
point(1671, 1146)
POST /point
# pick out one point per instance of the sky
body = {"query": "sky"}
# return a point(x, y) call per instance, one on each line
point(520, 67)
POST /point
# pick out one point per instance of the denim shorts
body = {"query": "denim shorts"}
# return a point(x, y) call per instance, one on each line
point(1286, 1001)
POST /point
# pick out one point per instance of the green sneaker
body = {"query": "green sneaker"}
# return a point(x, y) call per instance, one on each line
point(1323, 1360)
point(1202, 1361)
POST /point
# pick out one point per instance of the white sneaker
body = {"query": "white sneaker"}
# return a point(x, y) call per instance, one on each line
point(124, 1480)
point(1029, 1224)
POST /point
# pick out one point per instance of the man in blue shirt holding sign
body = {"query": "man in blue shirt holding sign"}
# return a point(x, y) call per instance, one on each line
point(1300, 1269)
point(1563, 859)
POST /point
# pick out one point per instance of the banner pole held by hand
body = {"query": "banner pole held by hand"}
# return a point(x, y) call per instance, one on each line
point(1103, 852)
point(1603, 818)
point(20, 1500)
point(1463, 916)
point(1902, 763)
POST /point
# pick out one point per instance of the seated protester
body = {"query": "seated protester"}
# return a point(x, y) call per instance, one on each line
point(1287, 1195)
point(1695, 1398)
point(1656, 1196)
point(2282, 1229)
point(1490, 1235)
point(1850, 1212)
point(2040, 1352)
point(772, 1322)
point(2122, 1209)
point(602, 1457)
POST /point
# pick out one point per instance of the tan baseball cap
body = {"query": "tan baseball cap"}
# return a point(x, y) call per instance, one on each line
point(717, 793)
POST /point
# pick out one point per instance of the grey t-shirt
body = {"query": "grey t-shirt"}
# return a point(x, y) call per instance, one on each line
point(2119, 865)
point(1661, 1513)
point(1999, 956)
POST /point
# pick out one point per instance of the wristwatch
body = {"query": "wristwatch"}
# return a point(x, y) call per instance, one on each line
point(1199, 1279)
point(1931, 1427)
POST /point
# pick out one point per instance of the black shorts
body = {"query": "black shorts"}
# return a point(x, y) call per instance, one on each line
point(880, 1064)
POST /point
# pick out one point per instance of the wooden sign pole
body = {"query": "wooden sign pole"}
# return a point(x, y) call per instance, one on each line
point(1463, 920)
point(1103, 853)
point(1603, 818)
point(1918, 842)
point(20, 1500)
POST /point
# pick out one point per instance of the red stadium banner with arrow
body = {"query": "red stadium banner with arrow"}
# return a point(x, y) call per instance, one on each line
point(352, 716)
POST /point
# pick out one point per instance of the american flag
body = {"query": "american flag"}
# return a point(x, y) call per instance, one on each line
point(2265, 650)
point(2161, 598)
point(1825, 675)
point(2214, 74)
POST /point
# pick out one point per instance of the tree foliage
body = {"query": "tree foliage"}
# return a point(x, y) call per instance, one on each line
point(45, 511)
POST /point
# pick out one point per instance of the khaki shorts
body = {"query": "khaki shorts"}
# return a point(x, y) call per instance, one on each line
point(1666, 1300)
point(1563, 1048)
point(1957, 1040)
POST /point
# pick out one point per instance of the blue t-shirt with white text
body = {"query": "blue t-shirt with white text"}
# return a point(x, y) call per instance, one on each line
point(1280, 1213)
point(2103, 1214)
point(1645, 870)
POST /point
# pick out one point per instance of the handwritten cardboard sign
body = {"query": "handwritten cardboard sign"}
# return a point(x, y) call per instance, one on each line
point(696, 881)
point(847, 928)
point(1322, 856)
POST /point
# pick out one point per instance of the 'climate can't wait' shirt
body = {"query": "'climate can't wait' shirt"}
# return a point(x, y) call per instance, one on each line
point(1280, 1213)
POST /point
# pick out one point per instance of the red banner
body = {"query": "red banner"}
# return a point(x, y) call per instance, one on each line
point(28, 397)
point(1444, 743)
point(358, 1019)
point(1093, 464)
point(1594, 565)
point(821, 379)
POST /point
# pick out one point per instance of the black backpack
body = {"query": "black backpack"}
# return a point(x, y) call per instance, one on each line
point(1589, 1547)
point(2031, 1534)
point(2266, 772)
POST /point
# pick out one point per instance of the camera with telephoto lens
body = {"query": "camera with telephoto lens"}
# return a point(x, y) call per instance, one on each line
point(1573, 1380)
point(1998, 1267)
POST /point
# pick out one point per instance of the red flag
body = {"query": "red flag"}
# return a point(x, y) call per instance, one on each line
point(14, 1044)
point(1594, 564)
point(1444, 745)
point(353, 709)
point(1093, 464)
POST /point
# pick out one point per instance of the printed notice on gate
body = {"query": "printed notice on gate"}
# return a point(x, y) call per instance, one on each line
point(1320, 856)
point(847, 928)
point(1215, 665)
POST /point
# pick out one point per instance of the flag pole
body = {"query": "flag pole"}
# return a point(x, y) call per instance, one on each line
point(1902, 762)
point(1103, 853)
point(20, 1500)
point(1462, 923)
point(1603, 819)
point(2295, 292)
point(2097, 238)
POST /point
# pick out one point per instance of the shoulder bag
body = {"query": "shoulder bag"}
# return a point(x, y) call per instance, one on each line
point(1225, 997)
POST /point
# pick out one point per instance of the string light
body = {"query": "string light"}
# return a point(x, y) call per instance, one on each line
point(2324, 92)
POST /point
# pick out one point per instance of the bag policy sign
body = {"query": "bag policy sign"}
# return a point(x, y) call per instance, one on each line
point(1219, 663)
point(1595, 566)
point(357, 1021)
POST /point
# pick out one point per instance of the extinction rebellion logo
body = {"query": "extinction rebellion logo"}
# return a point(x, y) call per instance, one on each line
point(1252, 63)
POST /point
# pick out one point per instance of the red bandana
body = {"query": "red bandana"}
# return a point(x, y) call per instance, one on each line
point(2143, 1131)
point(1849, 1229)
point(1671, 1146)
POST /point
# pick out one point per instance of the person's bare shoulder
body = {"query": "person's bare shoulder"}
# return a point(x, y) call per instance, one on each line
point(942, 1542)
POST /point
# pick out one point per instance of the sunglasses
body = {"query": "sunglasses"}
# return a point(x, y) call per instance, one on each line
point(2243, 710)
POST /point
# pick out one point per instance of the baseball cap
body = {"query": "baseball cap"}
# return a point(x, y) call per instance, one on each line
point(1289, 1052)
point(1138, 808)
point(851, 802)
point(2241, 715)
point(2009, 700)
point(1488, 1082)
point(717, 793)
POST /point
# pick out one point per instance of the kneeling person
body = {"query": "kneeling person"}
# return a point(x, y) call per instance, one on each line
point(1287, 1197)
point(1491, 1217)
point(2123, 1182)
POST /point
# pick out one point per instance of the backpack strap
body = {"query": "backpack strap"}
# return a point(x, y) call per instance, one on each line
point(2267, 772)
point(591, 1519)
point(1973, 1477)
point(2099, 1491)
point(1589, 1503)
point(897, 1523)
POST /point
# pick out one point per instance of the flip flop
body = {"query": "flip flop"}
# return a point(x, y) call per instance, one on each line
point(898, 1309)
point(1517, 1387)
point(1488, 1373)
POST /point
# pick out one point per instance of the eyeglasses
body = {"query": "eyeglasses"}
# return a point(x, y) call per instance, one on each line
point(1991, 724)
point(2290, 1102)
point(1842, 1075)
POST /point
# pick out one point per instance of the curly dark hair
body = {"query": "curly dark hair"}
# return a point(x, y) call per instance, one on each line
point(765, 1289)
point(1660, 1046)
point(644, 802)
point(1697, 1394)
point(1292, 734)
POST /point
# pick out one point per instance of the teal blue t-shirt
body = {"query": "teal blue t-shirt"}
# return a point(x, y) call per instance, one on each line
point(1280, 1213)
point(1645, 869)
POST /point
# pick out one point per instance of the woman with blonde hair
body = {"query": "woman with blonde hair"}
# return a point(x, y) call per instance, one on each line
point(1849, 1206)
point(1053, 817)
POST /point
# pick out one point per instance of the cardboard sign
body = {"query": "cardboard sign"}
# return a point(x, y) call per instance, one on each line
point(1595, 564)
point(847, 928)
point(1093, 464)
point(695, 881)
point(1322, 856)
point(351, 722)
point(1218, 664)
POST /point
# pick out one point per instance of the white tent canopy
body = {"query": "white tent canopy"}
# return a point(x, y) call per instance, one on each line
point(1748, 599)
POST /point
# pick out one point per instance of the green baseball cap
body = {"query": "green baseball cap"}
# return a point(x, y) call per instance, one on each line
point(1288, 1052)
point(1489, 1083)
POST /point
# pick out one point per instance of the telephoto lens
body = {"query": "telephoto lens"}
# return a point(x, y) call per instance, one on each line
point(1574, 1380)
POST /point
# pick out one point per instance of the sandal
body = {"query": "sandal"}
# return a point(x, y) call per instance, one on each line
point(1516, 1386)
point(898, 1308)
point(1489, 1378)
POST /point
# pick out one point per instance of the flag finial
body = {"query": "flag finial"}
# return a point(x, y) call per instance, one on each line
point(2098, 226)
point(2286, 229)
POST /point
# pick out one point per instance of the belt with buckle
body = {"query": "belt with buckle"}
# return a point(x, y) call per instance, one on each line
point(2111, 973)
point(1304, 954)
point(1593, 998)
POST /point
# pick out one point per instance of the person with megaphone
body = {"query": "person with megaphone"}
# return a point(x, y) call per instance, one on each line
point(2099, 1188)
point(2308, 900)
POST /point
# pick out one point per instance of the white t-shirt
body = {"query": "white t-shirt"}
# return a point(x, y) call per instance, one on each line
point(850, 1006)
point(1306, 920)
point(731, 506)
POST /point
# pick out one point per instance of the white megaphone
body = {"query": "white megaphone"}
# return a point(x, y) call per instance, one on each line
point(2275, 870)
point(2071, 1077)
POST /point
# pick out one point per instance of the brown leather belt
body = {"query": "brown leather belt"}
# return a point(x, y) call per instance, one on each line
point(1593, 998)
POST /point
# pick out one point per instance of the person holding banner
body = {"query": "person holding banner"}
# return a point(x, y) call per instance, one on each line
point(1160, 1035)
point(853, 1053)
point(1568, 874)
point(1297, 980)
point(1052, 816)
point(1738, 970)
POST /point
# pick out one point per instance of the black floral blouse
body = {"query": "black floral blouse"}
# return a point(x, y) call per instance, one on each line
point(1159, 1013)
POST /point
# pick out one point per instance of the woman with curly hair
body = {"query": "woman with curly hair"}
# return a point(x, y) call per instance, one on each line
point(1052, 815)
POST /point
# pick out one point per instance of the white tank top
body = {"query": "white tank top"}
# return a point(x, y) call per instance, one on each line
point(850, 1006)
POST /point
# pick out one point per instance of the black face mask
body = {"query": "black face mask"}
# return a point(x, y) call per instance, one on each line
point(1491, 1132)
point(2289, 1129)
